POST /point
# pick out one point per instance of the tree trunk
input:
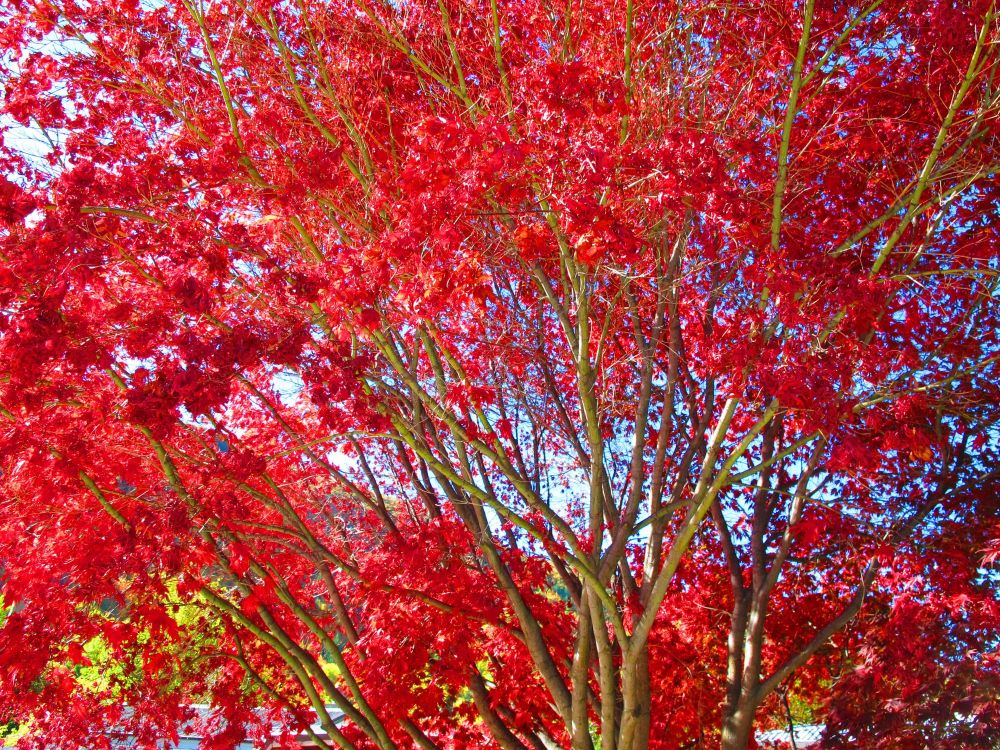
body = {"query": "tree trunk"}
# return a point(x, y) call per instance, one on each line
point(737, 728)
point(640, 740)
point(636, 702)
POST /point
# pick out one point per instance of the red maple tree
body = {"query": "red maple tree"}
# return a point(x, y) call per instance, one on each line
point(502, 374)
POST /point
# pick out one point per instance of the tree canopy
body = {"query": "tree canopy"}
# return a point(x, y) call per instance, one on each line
point(614, 374)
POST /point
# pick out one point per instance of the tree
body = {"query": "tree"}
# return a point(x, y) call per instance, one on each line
point(504, 374)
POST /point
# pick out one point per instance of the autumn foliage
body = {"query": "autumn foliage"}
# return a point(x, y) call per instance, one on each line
point(608, 374)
